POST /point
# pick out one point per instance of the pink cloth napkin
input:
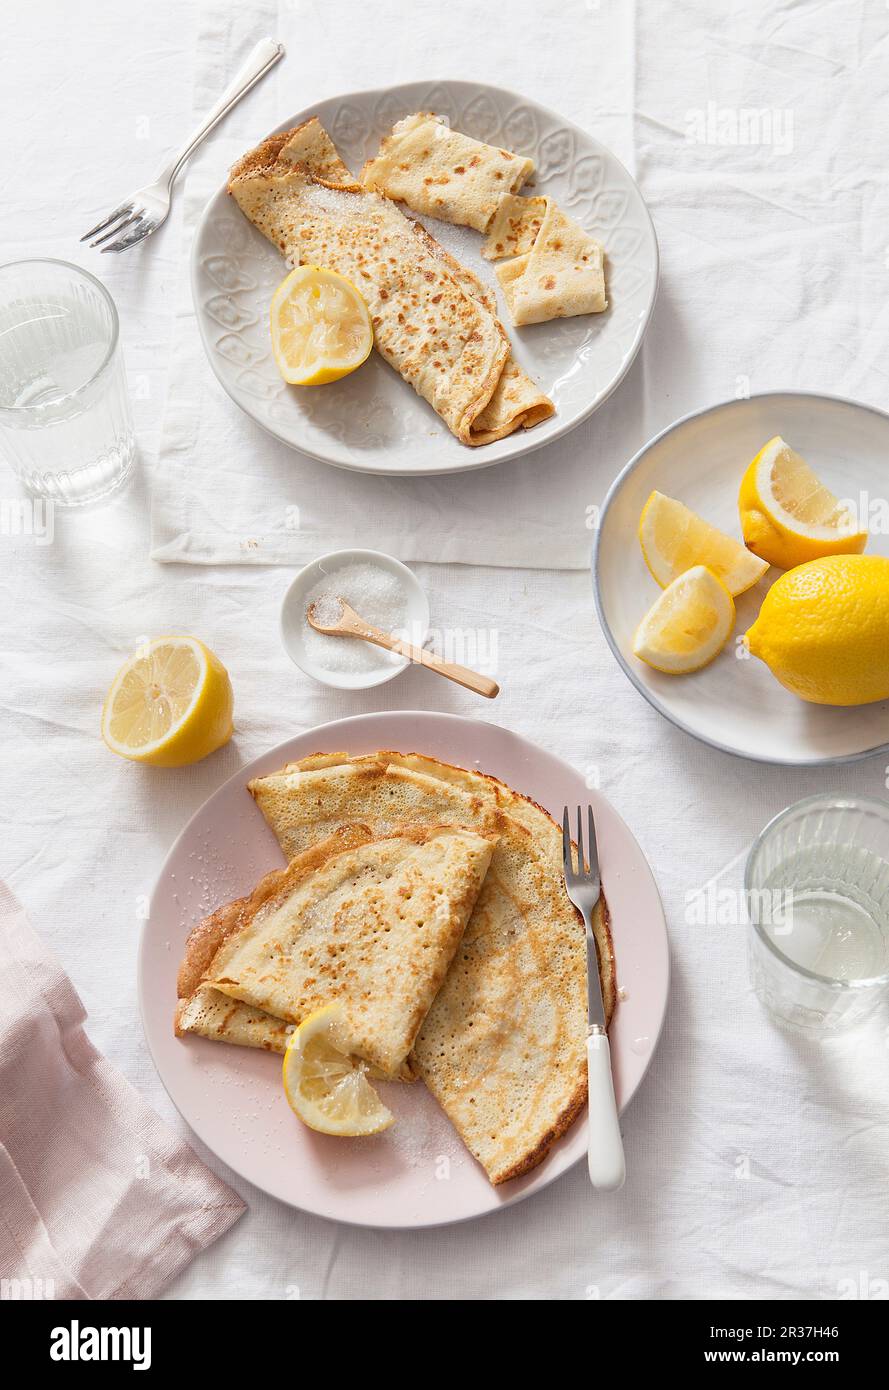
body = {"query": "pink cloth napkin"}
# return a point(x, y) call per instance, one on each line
point(98, 1199)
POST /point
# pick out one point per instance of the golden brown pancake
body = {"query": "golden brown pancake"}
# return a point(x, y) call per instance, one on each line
point(369, 922)
point(503, 1045)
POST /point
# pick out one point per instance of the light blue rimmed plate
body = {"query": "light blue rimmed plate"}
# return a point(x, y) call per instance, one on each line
point(735, 704)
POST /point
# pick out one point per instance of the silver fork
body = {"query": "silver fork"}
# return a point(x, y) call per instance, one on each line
point(146, 209)
point(605, 1150)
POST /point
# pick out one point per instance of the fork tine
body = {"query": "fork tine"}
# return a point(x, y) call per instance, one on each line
point(115, 231)
point(122, 211)
point(566, 845)
point(132, 238)
point(593, 851)
point(581, 867)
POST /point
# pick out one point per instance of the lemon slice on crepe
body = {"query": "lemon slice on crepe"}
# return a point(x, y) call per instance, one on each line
point(688, 625)
point(788, 516)
point(325, 1086)
point(321, 328)
point(674, 538)
point(171, 703)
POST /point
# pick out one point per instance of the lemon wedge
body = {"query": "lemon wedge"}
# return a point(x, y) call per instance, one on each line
point(321, 328)
point(688, 625)
point(171, 703)
point(788, 516)
point(674, 538)
point(326, 1087)
point(823, 630)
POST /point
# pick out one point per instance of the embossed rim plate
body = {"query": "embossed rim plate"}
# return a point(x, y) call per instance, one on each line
point(233, 1098)
point(372, 422)
point(737, 706)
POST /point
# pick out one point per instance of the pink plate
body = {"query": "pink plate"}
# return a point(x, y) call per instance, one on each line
point(418, 1173)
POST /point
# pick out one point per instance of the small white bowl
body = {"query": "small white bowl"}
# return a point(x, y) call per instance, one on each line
point(293, 614)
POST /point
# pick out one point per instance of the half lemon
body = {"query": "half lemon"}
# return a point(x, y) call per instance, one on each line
point(788, 516)
point(170, 704)
point(321, 327)
point(674, 538)
point(688, 625)
point(327, 1087)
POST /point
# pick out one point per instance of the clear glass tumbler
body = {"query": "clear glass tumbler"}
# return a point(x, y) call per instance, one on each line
point(65, 423)
point(817, 893)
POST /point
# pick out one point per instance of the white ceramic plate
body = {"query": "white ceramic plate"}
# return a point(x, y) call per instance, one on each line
point(372, 422)
point(736, 704)
point(418, 1173)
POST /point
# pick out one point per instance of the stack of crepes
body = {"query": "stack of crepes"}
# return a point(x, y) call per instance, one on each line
point(469, 970)
point(555, 268)
point(434, 321)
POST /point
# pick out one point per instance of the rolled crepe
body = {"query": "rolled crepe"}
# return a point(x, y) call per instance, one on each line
point(516, 399)
point(432, 321)
point(561, 274)
point(438, 171)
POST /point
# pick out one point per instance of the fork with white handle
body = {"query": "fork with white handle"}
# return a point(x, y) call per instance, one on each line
point(605, 1150)
point(146, 209)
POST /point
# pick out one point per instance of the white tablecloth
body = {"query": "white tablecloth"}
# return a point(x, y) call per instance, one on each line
point(757, 1162)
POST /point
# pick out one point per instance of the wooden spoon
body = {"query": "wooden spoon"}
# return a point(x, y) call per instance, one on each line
point(350, 624)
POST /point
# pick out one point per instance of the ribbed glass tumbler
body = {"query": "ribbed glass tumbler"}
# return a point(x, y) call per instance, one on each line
point(817, 890)
point(65, 423)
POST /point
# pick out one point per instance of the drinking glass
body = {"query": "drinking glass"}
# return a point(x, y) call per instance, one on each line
point(817, 892)
point(65, 424)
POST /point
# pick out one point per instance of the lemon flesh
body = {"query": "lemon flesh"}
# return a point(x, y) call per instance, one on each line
point(674, 539)
point(823, 630)
point(170, 704)
point(321, 328)
point(688, 625)
point(788, 516)
point(325, 1086)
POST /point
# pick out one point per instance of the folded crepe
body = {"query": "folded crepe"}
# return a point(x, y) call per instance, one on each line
point(557, 269)
point(369, 921)
point(211, 1014)
point(514, 229)
point(433, 321)
point(439, 172)
point(503, 1045)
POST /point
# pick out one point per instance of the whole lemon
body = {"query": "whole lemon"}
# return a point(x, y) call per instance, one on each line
point(823, 630)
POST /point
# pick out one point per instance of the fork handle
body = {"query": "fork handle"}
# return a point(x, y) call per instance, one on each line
point(264, 56)
point(605, 1149)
